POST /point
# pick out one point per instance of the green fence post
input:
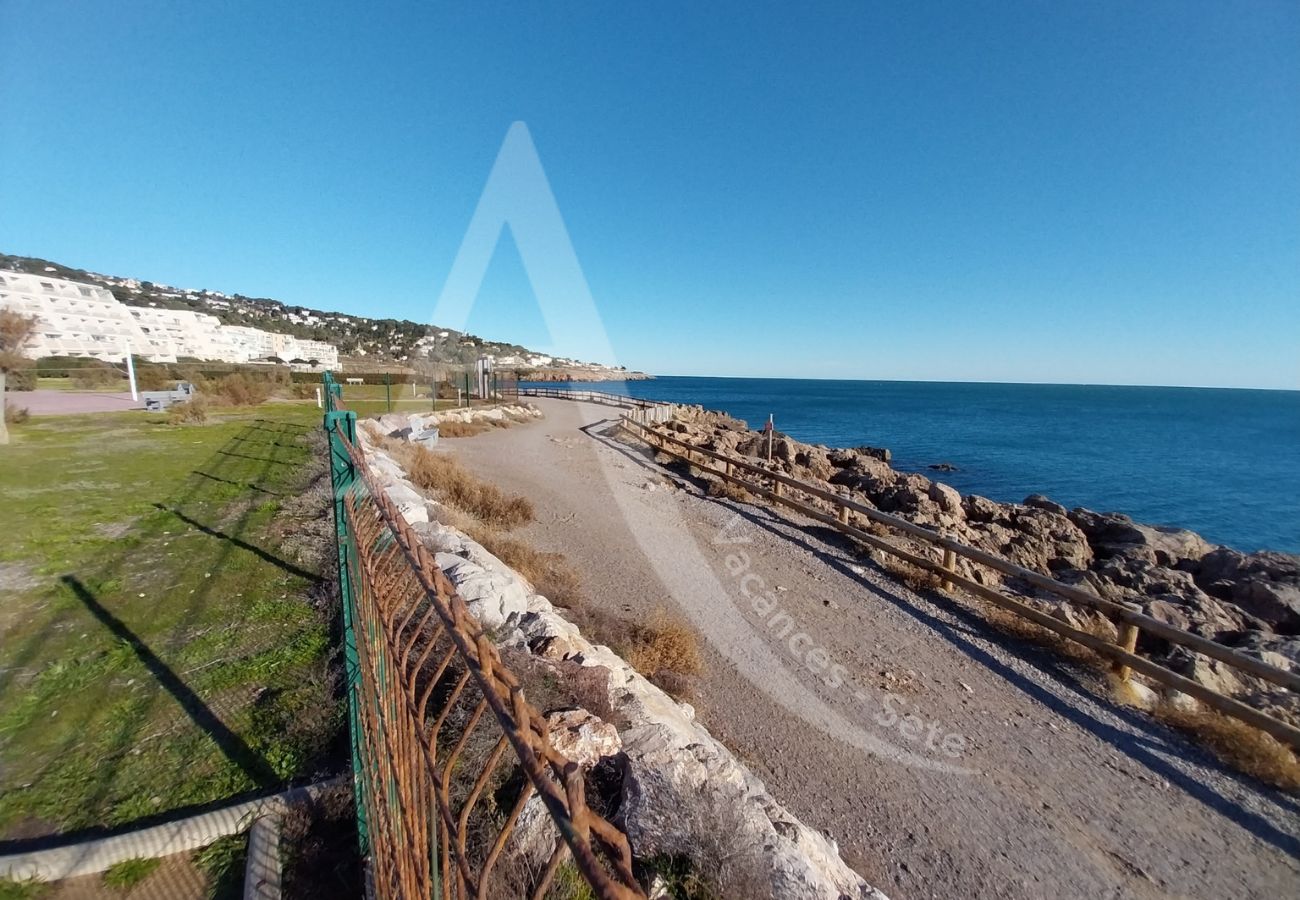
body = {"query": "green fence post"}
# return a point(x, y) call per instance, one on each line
point(388, 391)
point(343, 477)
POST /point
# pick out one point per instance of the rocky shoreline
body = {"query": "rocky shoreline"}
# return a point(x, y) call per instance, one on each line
point(1247, 601)
point(582, 374)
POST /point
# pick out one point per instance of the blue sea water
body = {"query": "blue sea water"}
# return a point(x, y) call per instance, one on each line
point(1224, 463)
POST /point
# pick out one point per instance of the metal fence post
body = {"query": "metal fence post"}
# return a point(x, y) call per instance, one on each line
point(343, 476)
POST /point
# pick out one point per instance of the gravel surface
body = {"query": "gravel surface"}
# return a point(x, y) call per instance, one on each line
point(63, 403)
point(945, 759)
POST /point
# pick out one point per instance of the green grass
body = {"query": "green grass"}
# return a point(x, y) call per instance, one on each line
point(67, 384)
point(22, 890)
point(158, 647)
point(129, 872)
point(224, 862)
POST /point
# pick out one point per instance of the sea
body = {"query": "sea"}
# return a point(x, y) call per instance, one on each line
point(1222, 462)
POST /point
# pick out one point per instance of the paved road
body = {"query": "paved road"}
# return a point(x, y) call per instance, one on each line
point(1053, 792)
point(63, 403)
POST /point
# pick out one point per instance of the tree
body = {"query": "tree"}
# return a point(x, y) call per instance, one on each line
point(15, 331)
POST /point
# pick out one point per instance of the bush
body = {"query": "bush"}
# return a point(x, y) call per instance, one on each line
point(664, 643)
point(90, 378)
point(16, 415)
point(729, 490)
point(240, 390)
point(191, 412)
point(452, 429)
point(149, 377)
point(20, 380)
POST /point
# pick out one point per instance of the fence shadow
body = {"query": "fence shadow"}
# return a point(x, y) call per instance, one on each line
point(232, 745)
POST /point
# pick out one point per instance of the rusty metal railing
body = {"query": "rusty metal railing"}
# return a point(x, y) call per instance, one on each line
point(448, 753)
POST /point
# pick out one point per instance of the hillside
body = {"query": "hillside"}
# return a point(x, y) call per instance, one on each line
point(377, 340)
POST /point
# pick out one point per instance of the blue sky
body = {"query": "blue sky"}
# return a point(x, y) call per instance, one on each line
point(1087, 192)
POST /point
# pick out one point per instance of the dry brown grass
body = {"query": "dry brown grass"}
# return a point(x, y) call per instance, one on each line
point(461, 429)
point(1236, 744)
point(664, 643)
point(191, 412)
point(914, 577)
point(729, 491)
point(450, 482)
point(550, 573)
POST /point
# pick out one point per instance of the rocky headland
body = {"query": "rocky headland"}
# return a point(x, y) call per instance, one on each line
point(581, 373)
point(1247, 601)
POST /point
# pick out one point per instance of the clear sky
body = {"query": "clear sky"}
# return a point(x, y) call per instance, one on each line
point(1075, 192)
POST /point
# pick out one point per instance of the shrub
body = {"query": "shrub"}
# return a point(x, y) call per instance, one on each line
point(149, 377)
point(94, 377)
point(664, 643)
point(191, 412)
point(240, 390)
point(16, 415)
point(914, 577)
point(451, 429)
point(20, 379)
point(729, 490)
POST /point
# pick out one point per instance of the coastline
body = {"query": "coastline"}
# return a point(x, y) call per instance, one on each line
point(1215, 461)
point(1250, 601)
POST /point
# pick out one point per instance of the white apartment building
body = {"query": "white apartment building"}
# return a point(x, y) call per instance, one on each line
point(86, 320)
point(76, 319)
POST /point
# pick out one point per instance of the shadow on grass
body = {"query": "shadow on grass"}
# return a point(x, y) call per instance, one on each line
point(241, 544)
point(62, 796)
point(232, 745)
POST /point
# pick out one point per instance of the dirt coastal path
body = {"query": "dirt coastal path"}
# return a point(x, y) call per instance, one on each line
point(1063, 794)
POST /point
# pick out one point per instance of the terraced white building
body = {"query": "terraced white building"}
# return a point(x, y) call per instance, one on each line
point(85, 320)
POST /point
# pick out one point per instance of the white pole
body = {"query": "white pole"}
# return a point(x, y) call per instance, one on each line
point(319, 404)
point(130, 374)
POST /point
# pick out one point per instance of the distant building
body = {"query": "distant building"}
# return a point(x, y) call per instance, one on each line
point(81, 320)
point(85, 320)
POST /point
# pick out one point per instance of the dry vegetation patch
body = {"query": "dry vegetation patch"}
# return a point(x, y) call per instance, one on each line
point(451, 482)
point(550, 573)
point(1237, 744)
point(729, 491)
point(452, 429)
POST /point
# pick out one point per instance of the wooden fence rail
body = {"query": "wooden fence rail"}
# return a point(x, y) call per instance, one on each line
point(1128, 620)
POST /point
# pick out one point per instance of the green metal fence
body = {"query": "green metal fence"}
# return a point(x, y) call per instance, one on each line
point(447, 753)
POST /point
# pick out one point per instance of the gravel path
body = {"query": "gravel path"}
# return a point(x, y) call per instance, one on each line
point(945, 761)
point(63, 403)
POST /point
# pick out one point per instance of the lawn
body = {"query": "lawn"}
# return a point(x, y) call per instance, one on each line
point(161, 641)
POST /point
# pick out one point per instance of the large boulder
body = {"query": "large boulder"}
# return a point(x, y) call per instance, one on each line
point(1266, 584)
point(1046, 541)
point(410, 503)
point(1038, 501)
point(947, 498)
point(497, 599)
point(582, 737)
point(982, 509)
point(685, 794)
point(1113, 534)
point(392, 423)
